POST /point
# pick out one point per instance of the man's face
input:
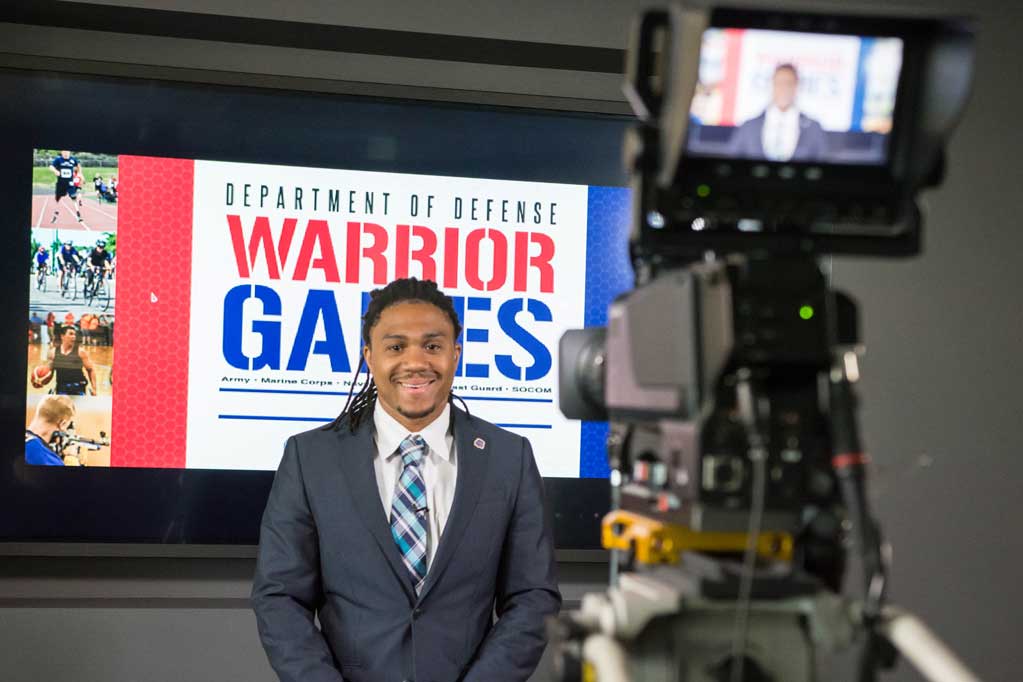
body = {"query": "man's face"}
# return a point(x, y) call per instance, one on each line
point(784, 88)
point(69, 336)
point(65, 153)
point(412, 356)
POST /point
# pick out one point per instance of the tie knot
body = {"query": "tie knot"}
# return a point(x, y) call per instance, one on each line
point(412, 450)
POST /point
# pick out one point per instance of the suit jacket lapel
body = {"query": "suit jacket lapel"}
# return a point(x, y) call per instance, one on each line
point(356, 452)
point(473, 455)
point(801, 140)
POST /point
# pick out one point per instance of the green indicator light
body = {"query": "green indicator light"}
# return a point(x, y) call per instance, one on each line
point(806, 312)
point(703, 191)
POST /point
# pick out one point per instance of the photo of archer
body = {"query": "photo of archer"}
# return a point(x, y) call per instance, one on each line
point(65, 431)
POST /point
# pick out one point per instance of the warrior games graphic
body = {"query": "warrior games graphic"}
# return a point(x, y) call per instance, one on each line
point(240, 291)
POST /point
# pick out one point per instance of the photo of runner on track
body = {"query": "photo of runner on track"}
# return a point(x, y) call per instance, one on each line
point(74, 190)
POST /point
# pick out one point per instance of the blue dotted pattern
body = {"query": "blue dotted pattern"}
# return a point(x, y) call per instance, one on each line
point(608, 274)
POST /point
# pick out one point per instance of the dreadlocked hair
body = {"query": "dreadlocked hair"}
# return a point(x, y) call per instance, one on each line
point(409, 290)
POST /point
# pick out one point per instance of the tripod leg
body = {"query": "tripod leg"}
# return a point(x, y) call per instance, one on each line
point(923, 649)
point(607, 657)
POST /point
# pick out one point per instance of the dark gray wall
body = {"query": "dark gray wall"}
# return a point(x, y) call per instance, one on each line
point(942, 407)
point(106, 619)
point(942, 413)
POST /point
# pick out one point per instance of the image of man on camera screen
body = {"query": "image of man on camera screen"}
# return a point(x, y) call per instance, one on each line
point(781, 132)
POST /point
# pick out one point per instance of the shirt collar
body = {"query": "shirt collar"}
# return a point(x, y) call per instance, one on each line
point(790, 113)
point(390, 432)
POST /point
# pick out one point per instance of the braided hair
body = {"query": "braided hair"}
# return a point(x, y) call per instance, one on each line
point(409, 290)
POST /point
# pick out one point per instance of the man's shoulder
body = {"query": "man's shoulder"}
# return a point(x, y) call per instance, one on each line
point(757, 120)
point(37, 453)
point(319, 438)
point(809, 122)
point(497, 437)
point(312, 451)
point(748, 132)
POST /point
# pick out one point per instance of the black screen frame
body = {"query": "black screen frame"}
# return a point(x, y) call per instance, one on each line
point(876, 173)
point(156, 508)
point(869, 210)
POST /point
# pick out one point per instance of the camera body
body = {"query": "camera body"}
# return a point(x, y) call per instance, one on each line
point(673, 357)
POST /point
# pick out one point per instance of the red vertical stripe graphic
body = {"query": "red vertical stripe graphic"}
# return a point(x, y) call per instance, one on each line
point(154, 275)
point(730, 84)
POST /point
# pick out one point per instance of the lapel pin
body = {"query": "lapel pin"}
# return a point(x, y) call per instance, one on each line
point(479, 443)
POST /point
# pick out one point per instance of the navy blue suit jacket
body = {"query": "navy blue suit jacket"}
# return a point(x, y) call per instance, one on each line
point(326, 549)
point(811, 145)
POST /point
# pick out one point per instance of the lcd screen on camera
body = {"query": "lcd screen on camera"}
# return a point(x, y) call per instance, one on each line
point(788, 96)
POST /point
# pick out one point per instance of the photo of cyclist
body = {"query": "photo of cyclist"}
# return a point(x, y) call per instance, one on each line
point(42, 264)
point(69, 262)
point(100, 258)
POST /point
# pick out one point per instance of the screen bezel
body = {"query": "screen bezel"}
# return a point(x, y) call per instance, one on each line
point(830, 171)
point(890, 187)
point(873, 179)
point(157, 507)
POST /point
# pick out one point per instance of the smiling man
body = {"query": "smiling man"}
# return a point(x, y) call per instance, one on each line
point(406, 524)
point(781, 132)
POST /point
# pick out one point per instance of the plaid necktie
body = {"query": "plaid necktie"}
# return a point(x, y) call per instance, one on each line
point(777, 151)
point(408, 510)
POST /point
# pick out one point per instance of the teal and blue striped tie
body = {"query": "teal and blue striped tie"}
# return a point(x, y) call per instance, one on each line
point(409, 511)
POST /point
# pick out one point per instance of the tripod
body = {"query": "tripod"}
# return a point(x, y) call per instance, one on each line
point(715, 620)
point(656, 626)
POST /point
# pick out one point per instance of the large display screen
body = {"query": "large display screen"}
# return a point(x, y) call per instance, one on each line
point(236, 291)
point(242, 229)
point(789, 96)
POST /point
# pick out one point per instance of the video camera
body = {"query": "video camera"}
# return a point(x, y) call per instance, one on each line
point(766, 140)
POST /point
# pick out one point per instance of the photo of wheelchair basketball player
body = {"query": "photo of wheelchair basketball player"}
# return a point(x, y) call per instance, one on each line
point(67, 365)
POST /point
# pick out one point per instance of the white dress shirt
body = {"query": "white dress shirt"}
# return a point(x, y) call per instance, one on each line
point(781, 133)
point(439, 468)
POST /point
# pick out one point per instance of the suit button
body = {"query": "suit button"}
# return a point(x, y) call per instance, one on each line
point(416, 613)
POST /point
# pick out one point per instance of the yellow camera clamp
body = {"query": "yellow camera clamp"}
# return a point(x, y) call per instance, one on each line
point(654, 542)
